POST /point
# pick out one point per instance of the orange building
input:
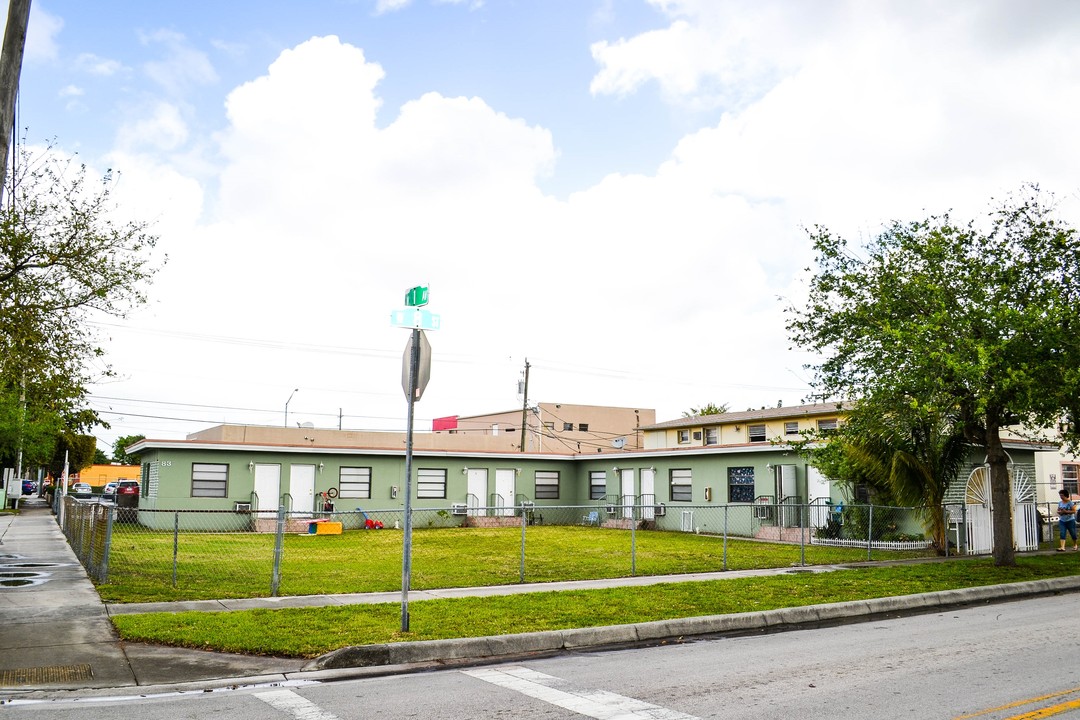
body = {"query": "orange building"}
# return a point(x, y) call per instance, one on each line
point(97, 476)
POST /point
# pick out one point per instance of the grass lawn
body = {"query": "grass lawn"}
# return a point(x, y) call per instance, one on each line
point(239, 565)
point(311, 632)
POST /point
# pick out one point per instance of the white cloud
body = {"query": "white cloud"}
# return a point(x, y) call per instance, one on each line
point(163, 129)
point(42, 30)
point(388, 6)
point(385, 6)
point(668, 280)
point(94, 65)
point(182, 66)
point(713, 53)
point(324, 218)
point(473, 4)
point(71, 91)
point(883, 111)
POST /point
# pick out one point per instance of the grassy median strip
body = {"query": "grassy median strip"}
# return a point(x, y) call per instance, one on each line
point(309, 632)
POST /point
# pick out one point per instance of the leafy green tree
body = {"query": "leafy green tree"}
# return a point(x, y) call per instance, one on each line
point(64, 260)
point(120, 446)
point(976, 320)
point(28, 427)
point(77, 449)
point(709, 409)
point(100, 458)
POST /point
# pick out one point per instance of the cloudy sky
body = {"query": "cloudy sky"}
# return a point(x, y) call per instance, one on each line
point(616, 190)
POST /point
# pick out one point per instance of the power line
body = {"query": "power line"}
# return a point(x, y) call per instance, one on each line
point(541, 363)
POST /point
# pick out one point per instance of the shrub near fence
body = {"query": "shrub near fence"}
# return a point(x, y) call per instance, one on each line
point(176, 555)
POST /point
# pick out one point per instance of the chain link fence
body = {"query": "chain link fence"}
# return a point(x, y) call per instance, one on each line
point(151, 555)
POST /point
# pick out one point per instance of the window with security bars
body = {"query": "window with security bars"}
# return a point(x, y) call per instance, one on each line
point(682, 485)
point(740, 484)
point(354, 482)
point(1070, 478)
point(210, 480)
point(597, 484)
point(547, 485)
point(431, 483)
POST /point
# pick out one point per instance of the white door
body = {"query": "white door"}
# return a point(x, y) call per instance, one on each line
point(817, 486)
point(648, 493)
point(627, 491)
point(477, 489)
point(504, 488)
point(267, 489)
point(786, 494)
point(785, 482)
point(817, 491)
point(302, 487)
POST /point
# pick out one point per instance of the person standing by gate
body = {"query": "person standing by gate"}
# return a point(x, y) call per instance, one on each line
point(1066, 518)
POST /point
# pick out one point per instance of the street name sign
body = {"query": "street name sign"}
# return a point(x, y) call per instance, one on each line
point(416, 318)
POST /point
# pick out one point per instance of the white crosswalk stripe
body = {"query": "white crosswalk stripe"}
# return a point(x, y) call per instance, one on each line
point(289, 702)
point(590, 703)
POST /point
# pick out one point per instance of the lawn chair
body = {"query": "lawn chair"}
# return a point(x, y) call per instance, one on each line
point(593, 518)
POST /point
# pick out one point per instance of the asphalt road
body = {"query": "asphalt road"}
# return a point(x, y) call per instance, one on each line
point(990, 662)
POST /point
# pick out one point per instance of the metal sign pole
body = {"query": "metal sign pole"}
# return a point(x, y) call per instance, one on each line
point(406, 554)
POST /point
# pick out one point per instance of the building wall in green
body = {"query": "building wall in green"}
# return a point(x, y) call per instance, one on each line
point(173, 469)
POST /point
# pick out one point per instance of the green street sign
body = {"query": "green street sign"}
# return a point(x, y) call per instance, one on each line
point(417, 296)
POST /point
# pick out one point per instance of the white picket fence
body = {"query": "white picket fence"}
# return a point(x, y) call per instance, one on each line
point(874, 544)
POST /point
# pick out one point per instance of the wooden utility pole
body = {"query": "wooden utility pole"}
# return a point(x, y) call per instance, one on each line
point(11, 56)
point(525, 405)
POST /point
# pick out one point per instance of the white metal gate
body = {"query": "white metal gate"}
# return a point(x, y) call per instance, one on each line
point(980, 533)
point(1025, 517)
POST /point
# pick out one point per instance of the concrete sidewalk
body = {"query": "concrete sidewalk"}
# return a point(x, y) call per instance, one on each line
point(55, 632)
point(56, 637)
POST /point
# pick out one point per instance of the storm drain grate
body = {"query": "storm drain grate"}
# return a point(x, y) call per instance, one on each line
point(45, 675)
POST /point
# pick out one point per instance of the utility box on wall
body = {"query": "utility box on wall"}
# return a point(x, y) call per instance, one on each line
point(708, 494)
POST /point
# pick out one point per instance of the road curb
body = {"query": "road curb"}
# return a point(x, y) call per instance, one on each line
point(501, 646)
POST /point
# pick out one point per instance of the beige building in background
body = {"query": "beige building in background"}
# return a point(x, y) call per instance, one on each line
point(752, 427)
point(559, 427)
point(553, 428)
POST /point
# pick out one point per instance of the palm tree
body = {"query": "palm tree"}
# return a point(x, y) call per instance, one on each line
point(911, 453)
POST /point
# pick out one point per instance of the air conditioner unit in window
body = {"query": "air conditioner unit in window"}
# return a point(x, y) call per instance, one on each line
point(459, 509)
point(242, 507)
point(660, 510)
